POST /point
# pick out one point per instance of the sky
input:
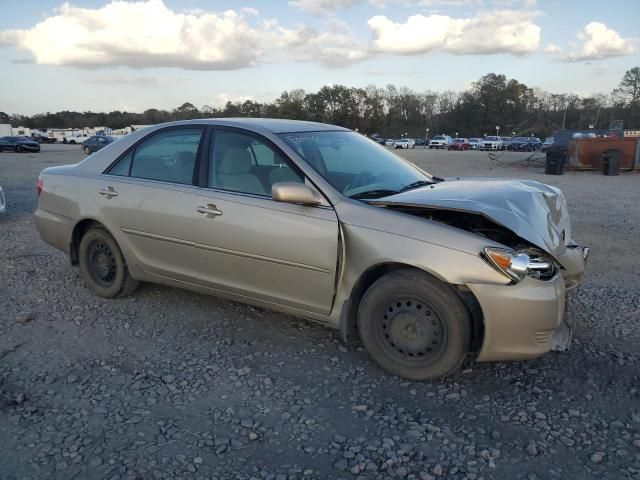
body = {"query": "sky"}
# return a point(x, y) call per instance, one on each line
point(104, 55)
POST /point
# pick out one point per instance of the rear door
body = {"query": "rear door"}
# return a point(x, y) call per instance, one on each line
point(253, 246)
point(149, 202)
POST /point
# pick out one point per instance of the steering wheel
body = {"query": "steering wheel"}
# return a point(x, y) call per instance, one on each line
point(362, 179)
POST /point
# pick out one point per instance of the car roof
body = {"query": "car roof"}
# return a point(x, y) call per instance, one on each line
point(274, 125)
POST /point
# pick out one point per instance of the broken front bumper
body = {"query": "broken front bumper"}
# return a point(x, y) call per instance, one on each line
point(528, 319)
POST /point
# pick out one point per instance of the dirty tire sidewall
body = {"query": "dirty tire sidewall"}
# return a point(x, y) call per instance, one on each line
point(452, 312)
point(122, 274)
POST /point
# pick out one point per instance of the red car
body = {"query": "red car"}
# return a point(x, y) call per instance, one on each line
point(459, 144)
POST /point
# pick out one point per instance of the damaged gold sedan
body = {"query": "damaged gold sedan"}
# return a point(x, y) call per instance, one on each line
point(320, 222)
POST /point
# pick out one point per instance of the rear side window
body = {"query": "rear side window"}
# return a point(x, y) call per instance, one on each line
point(121, 168)
point(168, 156)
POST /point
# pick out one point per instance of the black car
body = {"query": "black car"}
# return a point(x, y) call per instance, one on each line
point(96, 142)
point(525, 144)
point(18, 144)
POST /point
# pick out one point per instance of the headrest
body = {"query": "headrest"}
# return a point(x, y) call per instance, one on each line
point(235, 160)
point(185, 157)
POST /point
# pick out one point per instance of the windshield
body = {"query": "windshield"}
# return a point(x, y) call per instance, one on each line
point(355, 166)
point(492, 139)
point(438, 137)
point(548, 140)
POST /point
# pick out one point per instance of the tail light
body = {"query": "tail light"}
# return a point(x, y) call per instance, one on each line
point(39, 186)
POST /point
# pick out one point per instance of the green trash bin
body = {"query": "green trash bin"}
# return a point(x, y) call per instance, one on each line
point(555, 162)
point(611, 162)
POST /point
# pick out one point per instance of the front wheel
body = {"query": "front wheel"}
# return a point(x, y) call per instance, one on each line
point(102, 265)
point(414, 326)
point(87, 150)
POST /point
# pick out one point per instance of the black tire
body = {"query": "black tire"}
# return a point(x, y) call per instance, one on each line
point(18, 149)
point(72, 142)
point(87, 150)
point(414, 326)
point(102, 265)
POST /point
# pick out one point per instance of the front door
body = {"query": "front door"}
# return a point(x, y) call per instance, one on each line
point(254, 246)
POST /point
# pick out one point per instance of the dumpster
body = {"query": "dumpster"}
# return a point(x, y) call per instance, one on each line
point(611, 162)
point(588, 153)
point(555, 163)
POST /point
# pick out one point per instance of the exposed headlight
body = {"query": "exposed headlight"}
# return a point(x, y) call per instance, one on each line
point(518, 265)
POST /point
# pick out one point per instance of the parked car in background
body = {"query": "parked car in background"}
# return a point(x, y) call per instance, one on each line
point(317, 221)
point(389, 142)
point(475, 143)
point(440, 141)
point(76, 138)
point(525, 144)
point(420, 142)
point(492, 143)
point(404, 143)
point(459, 144)
point(377, 138)
point(43, 139)
point(3, 203)
point(96, 143)
point(19, 144)
point(546, 144)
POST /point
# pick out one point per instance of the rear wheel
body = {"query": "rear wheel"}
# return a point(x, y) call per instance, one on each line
point(414, 326)
point(103, 266)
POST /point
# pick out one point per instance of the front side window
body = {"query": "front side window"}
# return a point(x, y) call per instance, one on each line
point(167, 156)
point(354, 165)
point(242, 163)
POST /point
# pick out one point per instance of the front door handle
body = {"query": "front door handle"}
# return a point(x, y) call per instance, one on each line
point(108, 192)
point(209, 210)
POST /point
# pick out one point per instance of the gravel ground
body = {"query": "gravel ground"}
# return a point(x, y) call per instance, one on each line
point(172, 384)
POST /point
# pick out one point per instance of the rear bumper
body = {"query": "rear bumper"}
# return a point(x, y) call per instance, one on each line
point(54, 229)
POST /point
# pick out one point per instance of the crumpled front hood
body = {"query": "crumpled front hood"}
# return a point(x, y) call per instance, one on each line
point(532, 210)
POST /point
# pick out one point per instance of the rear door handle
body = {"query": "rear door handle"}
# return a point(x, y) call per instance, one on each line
point(209, 210)
point(108, 192)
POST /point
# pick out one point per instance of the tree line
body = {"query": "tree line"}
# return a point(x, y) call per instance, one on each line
point(493, 100)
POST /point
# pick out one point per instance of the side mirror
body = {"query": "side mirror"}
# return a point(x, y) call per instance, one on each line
point(293, 192)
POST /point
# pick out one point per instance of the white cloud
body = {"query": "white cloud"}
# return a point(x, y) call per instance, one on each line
point(221, 99)
point(334, 48)
point(501, 31)
point(552, 48)
point(149, 34)
point(141, 34)
point(250, 11)
point(450, 3)
point(322, 6)
point(600, 42)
